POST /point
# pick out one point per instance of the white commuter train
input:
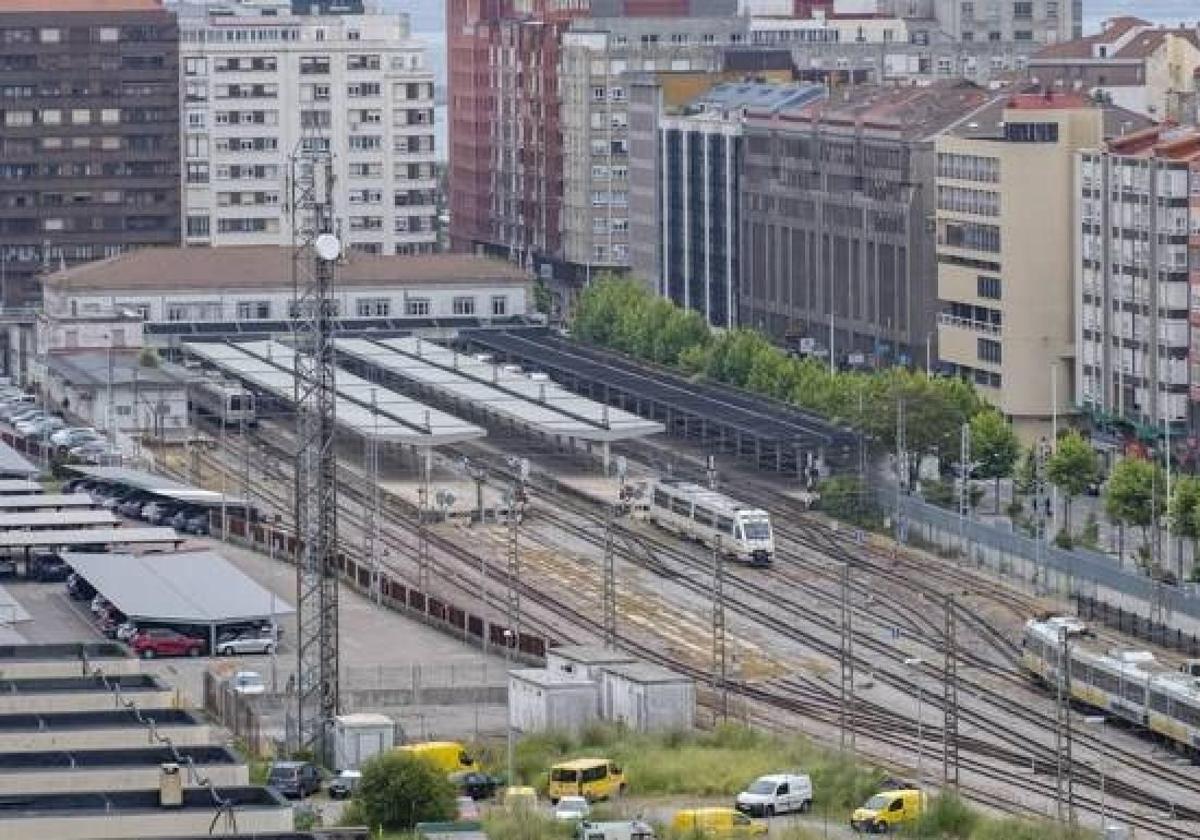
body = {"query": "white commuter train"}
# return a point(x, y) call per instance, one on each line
point(1130, 684)
point(704, 515)
point(226, 402)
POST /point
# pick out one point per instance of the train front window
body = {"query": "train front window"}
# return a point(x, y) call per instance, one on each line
point(757, 529)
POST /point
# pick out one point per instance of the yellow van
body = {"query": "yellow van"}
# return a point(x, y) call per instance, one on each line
point(888, 810)
point(721, 822)
point(448, 756)
point(592, 778)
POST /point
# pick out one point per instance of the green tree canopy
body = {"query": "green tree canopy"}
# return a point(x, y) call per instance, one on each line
point(1072, 469)
point(994, 447)
point(1135, 493)
point(399, 790)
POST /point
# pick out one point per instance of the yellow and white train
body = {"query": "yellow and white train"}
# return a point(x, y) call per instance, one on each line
point(1130, 684)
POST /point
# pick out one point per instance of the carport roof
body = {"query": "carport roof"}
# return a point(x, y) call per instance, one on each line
point(88, 536)
point(189, 587)
point(157, 485)
point(15, 465)
point(19, 485)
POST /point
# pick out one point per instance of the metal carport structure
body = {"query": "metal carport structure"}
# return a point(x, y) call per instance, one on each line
point(160, 487)
point(57, 520)
point(193, 588)
point(15, 465)
point(46, 501)
point(21, 486)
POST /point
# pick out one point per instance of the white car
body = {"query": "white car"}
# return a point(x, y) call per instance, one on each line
point(572, 809)
point(245, 644)
point(776, 794)
point(249, 682)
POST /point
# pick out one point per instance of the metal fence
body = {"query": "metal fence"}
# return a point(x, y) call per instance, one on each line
point(1137, 626)
point(1009, 552)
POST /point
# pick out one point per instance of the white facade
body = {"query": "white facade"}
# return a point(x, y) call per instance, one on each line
point(540, 700)
point(647, 698)
point(1137, 215)
point(256, 86)
point(828, 30)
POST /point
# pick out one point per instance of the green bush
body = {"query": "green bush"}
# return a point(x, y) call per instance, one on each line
point(946, 817)
point(397, 791)
point(523, 824)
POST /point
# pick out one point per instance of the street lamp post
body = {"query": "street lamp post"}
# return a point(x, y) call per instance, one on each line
point(915, 663)
point(509, 636)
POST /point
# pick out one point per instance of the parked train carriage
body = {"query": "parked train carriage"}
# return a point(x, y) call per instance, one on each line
point(1174, 710)
point(706, 516)
point(227, 402)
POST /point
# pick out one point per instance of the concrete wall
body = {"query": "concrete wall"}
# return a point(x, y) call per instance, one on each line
point(85, 701)
point(109, 826)
point(108, 738)
point(17, 669)
point(562, 707)
point(98, 780)
point(649, 707)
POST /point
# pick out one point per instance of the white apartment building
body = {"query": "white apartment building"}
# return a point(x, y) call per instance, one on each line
point(1139, 216)
point(259, 81)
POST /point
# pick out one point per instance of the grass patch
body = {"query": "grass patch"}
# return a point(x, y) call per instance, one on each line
point(523, 824)
point(720, 762)
point(949, 818)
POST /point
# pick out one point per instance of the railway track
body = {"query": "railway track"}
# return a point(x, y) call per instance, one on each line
point(805, 698)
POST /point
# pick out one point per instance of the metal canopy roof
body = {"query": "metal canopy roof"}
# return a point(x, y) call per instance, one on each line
point(38, 501)
point(157, 485)
point(194, 587)
point(268, 365)
point(59, 519)
point(539, 405)
point(19, 485)
point(15, 465)
point(88, 536)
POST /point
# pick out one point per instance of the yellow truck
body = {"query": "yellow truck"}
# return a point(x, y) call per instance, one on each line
point(717, 822)
point(888, 810)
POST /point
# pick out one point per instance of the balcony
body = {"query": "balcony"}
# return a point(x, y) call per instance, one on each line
point(947, 320)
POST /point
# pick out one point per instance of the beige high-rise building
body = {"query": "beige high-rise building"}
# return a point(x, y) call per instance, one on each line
point(1006, 252)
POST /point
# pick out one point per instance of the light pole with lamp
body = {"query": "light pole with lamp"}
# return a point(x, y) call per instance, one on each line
point(916, 663)
point(509, 637)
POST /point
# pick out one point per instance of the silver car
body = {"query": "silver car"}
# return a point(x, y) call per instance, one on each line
point(245, 644)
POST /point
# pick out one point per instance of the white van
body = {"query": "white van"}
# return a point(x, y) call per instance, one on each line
point(776, 794)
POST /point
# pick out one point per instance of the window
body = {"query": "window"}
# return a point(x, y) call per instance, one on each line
point(988, 287)
point(81, 116)
point(499, 306)
point(364, 89)
point(176, 312)
point(50, 36)
point(416, 306)
point(198, 226)
point(989, 350)
point(373, 307)
point(51, 116)
point(598, 94)
point(253, 310)
point(464, 306)
point(197, 173)
point(107, 34)
point(1023, 9)
point(314, 65)
point(195, 66)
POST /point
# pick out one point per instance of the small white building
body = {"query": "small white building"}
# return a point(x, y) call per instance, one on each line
point(358, 737)
point(647, 698)
point(119, 389)
point(584, 662)
point(541, 700)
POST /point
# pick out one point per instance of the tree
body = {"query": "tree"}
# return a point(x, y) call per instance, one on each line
point(1184, 509)
point(1134, 495)
point(994, 447)
point(1072, 469)
point(1026, 477)
point(398, 790)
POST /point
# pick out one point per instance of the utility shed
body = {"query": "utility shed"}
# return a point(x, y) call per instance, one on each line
point(584, 662)
point(358, 737)
point(647, 698)
point(541, 700)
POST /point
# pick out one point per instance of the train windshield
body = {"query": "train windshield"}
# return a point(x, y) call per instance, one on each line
point(757, 529)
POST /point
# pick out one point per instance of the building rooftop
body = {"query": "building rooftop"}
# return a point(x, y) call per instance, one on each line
point(646, 672)
point(94, 368)
point(590, 654)
point(757, 95)
point(987, 123)
point(549, 679)
point(25, 805)
point(245, 267)
point(55, 651)
point(1123, 38)
point(1165, 141)
point(107, 719)
point(911, 112)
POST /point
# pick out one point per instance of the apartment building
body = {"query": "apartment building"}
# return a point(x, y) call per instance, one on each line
point(89, 135)
point(599, 60)
point(260, 83)
point(1138, 224)
point(1131, 62)
point(1006, 244)
point(836, 199)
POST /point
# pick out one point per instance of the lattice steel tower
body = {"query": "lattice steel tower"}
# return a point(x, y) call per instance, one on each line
point(316, 250)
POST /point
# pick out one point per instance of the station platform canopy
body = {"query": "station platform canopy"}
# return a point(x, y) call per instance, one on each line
point(19, 486)
point(363, 408)
point(46, 501)
point(17, 539)
point(197, 588)
point(57, 519)
point(157, 485)
point(537, 404)
point(15, 465)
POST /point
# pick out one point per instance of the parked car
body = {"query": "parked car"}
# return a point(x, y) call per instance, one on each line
point(780, 793)
point(126, 631)
point(247, 643)
point(249, 682)
point(476, 785)
point(343, 785)
point(163, 642)
point(197, 525)
point(572, 809)
point(79, 589)
point(295, 779)
point(888, 810)
point(75, 436)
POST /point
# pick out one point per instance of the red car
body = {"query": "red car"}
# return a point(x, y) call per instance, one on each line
point(162, 642)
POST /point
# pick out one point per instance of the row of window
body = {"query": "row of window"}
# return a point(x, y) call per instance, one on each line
point(968, 167)
point(55, 116)
point(116, 169)
point(967, 200)
point(364, 307)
